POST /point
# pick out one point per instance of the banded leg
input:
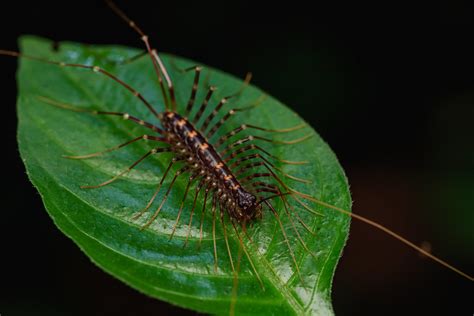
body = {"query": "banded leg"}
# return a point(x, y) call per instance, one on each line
point(224, 100)
point(276, 189)
point(269, 188)
point(224, 229)
point(157, 63)
point(157, 190)
point(124, 115)
point(153, 151)
point(132, 59)
point(214, 112)
point(270, 206)
point(234, 132)
point(261, 164)
point(100, 153)
point(213, 210)
point(243, 127)
point(190, 181)
point(268, 140)
point(196, 194)
point(241, 242)
point(206, 192)
point(204, 104)
point(155, 215)
point(92, 68)
point(232, 155)
point(192, 97)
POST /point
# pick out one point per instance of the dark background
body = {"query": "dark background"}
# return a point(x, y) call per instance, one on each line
point(390, 88)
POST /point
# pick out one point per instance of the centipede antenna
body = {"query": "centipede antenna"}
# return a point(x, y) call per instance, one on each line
point(124, 115)
point(190, 181)
point(157, 64)
point(153, 151)
point(204, 104)
point(157, 190)
point(192, 97)
point(387, 231)
point(155, 215)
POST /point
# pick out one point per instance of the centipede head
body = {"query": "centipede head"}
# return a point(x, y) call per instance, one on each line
point(248, 208)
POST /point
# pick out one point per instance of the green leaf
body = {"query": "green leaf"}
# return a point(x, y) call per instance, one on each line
point(100, 221)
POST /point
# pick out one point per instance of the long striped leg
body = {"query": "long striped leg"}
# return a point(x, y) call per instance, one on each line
point(213, 210)
point(293, 193)
point(192, 97)
point(190, 181)
point(132, 59)
point(214, 112)
point(153, 151)
point(157, 190)
point(286, 238)
point(268, 188)
point(206, 192)
point(157, 63)
point(100, 153)
point(204, 104)
point(196, 194)
point(229, 156)
point(244, 127)
point(247, 254)
point(268, 140)
point(124, 115)
point(92, 68)
point(155, 215)
point(252, 165)
point(276, 190)
point(232, 133)
point(223, 101)
point(224, 229)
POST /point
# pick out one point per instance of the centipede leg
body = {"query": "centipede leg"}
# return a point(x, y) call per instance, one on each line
point(153, 151)
point(196, 194)
point(155, 215)
point(230, 156)
point(204, 104)
point(157, 190)
point(192, 97)
point(224, 229)
point(213, 210)
point(190, 181)
point(100, 153)
point(257, 275)
point(124, 115)
point(286, 238)
point(206, 192)
point(244, 127)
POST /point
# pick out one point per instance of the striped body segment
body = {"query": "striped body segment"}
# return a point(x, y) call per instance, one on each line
point(201, 155)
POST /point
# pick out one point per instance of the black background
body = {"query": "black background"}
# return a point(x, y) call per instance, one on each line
point(390, 88)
